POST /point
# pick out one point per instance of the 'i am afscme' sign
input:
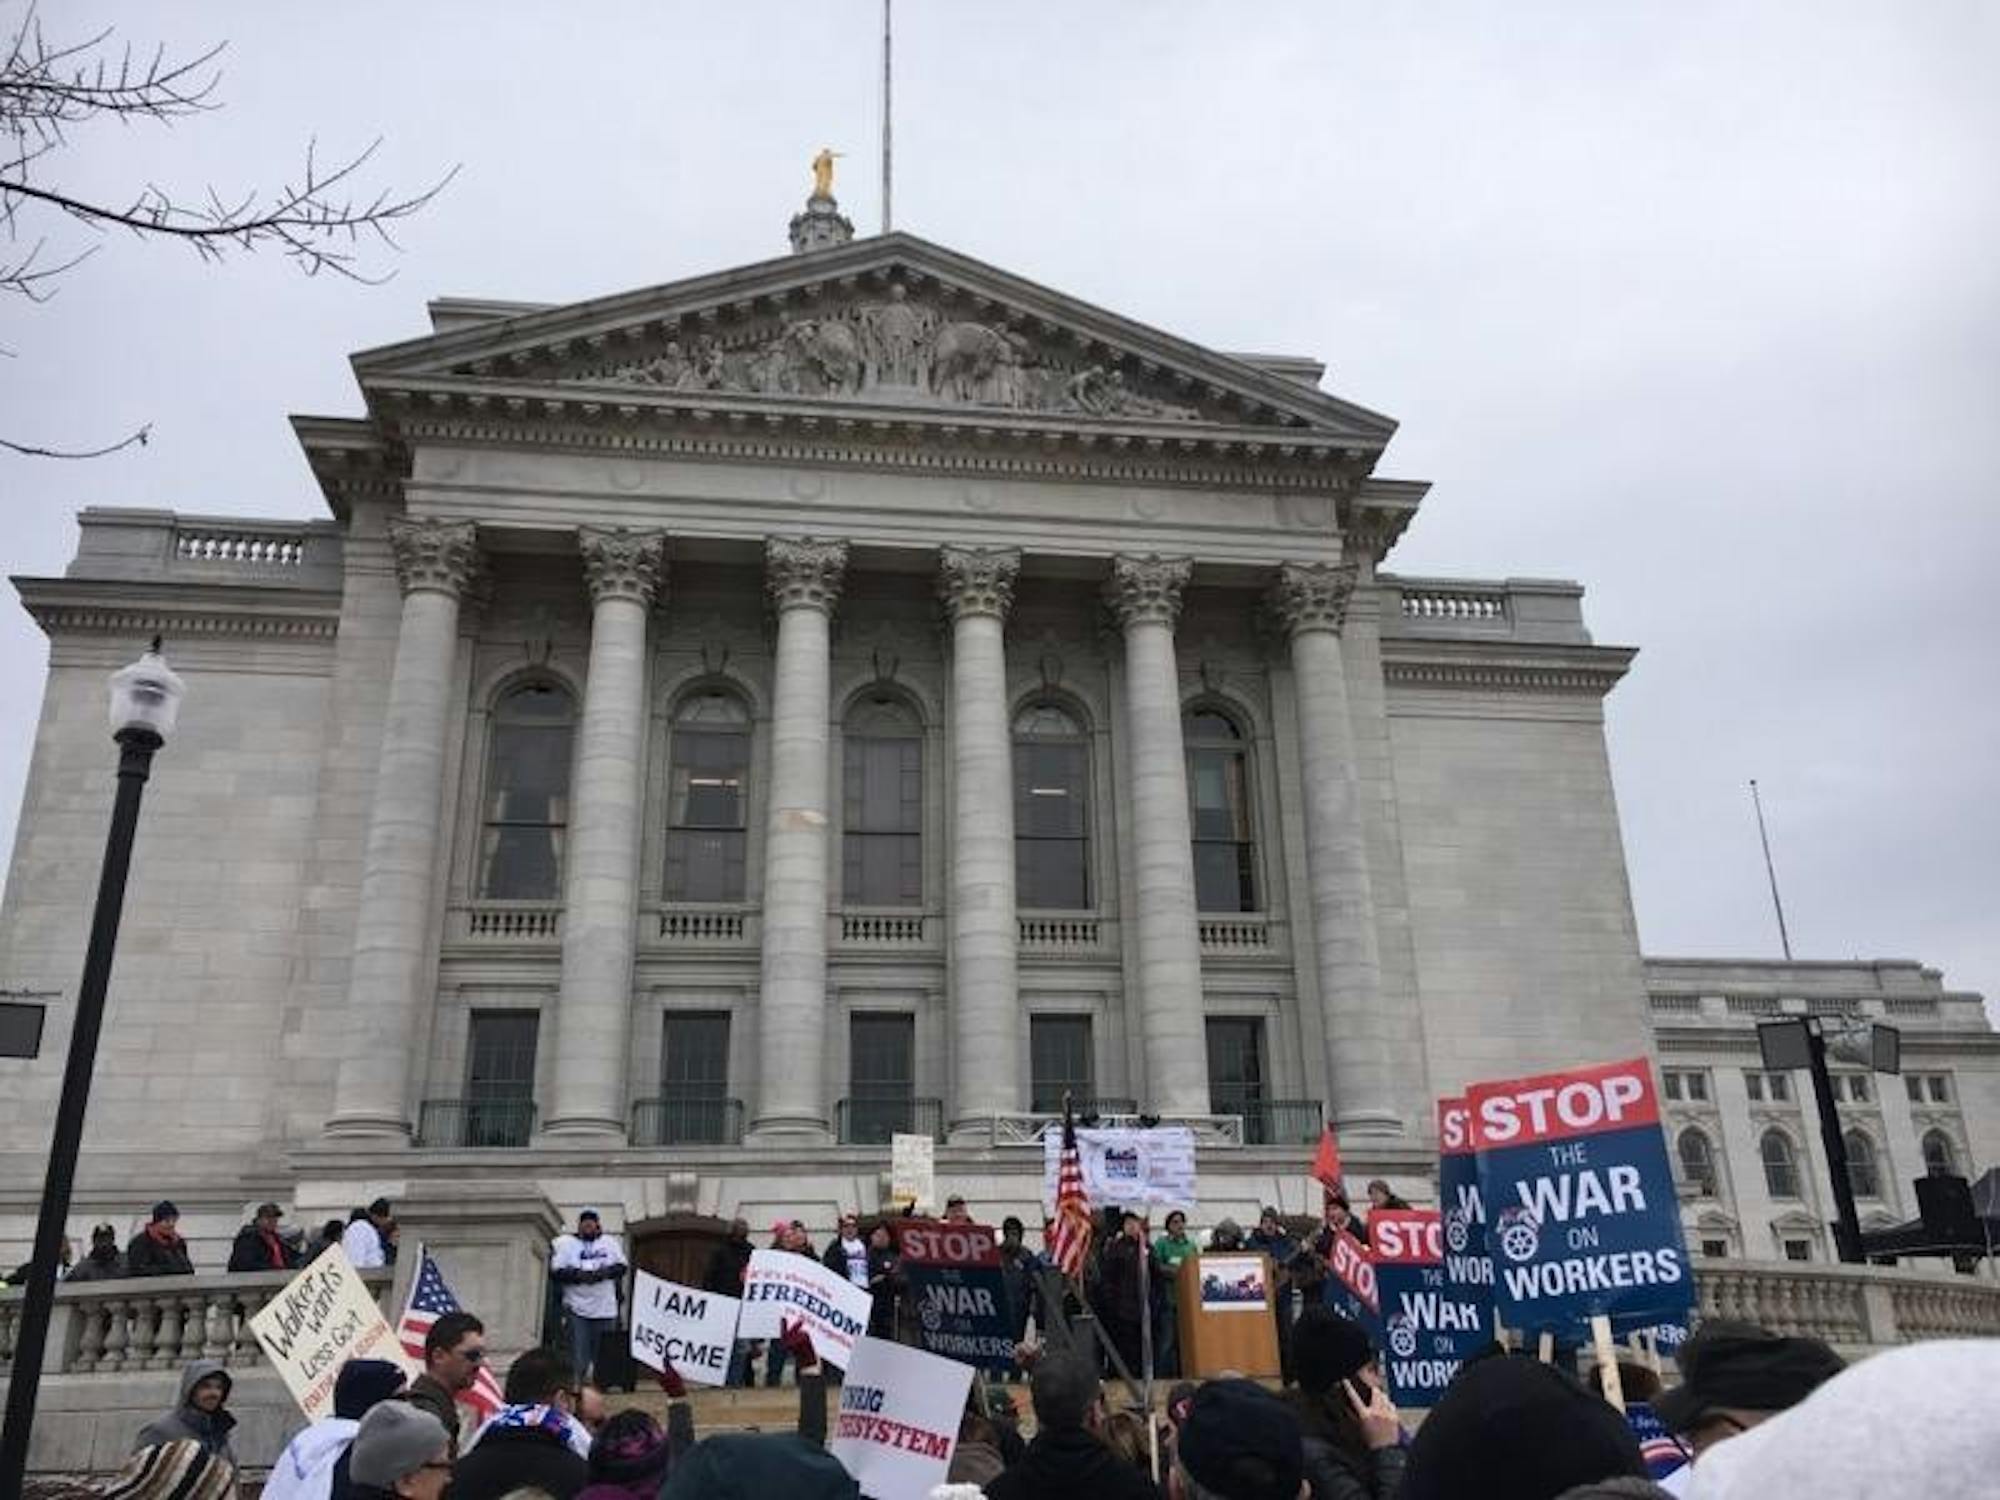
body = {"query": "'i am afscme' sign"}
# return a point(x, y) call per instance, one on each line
point(1581, 1213)
point(1428, 1327)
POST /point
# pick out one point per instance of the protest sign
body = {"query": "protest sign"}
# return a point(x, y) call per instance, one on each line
point(1468, 1267)
point(912, 1172)
point(1582, 1215)
point(1351, 1289)
point(1137, 1169)
point(1234, 1283)
point(324, 1317)
point(898, 1419)
point(955, 1285)
point(1428, 1327)
point(692, 1330)
point(782, 1287)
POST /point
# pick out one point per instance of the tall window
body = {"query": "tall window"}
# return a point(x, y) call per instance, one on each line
point(881, 1070)
point(1939, 1158)
point(1781, 1165)
point(1225, 841)
point(1236, 1073)
point(708, 799)
point(1051, 810)
point(1697, 1161)
point(527, 794)
point(500, 1077)
point(882, 826)
point(1863, 1176)
point(1059, 1061)
point(694, 1076)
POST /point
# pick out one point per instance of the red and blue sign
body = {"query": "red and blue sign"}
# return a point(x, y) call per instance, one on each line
point(1428, 1328)
point(956, 1288)
point(1582, 1218)
point(1468, 1267)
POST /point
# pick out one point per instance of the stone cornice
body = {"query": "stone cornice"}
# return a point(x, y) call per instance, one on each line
point(1504, 667)
point(1146, 590)
point(1311, 596)
point(352, 461)
point(623, 564)
point(64, 606)
point(977, 580)
point(440, 557)
point(804, 572)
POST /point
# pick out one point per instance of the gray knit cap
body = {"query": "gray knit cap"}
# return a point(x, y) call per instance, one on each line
point(395, 1440)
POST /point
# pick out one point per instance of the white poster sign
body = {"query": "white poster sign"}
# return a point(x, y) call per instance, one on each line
point(678, 1325)
point(324, 1317)
point(1139, 1169)
point(898, 1419)
point(782, 1288)
point(912, 1175)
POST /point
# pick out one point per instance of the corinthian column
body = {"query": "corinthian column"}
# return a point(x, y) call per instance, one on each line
point(977, 585)
point(601, 860)
point(1309, 601)
point(1144, 594)
point(803, 577)
point(387, 983)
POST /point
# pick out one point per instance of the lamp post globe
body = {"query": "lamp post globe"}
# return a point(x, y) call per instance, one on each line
point(146, 697)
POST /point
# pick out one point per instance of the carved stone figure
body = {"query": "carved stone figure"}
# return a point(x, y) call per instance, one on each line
point(823, 173)
point(965, 357)
point(894, 335)
point(822, 356)
point(668, 370)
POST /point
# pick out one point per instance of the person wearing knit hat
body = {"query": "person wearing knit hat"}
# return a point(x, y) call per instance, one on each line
point(312, 1466)
point(1515, 1429)
point(1239, 1442)
point(158, 1249)
point(628, 1459)
point(1353, 1439)
point(400, 1451)
point(1736, 1375)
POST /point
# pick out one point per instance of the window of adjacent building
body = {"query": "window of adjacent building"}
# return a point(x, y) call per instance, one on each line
point(1697, 1156)
point(708, 799)
point(1225, 844)
point(881, 1070)
point(527, 794)
point(1852, 1087)
point(882, 825)
point(1690, 1084)
point(1864, 1177)
point(1051, 810)
point(1781, 1165)
point(500, 1077)
point(1776, 1087)
point(1798, 1249)
point(1940, 1160)
point(1928, 1088)
point(1236, 1072)
point(694, 1076)
point(1059, 1061)
point(1715, 1249)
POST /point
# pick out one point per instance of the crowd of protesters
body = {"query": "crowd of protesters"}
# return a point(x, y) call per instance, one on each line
point(265, 1243)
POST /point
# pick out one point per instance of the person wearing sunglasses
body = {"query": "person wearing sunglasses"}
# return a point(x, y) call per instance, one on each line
point(454, 1352)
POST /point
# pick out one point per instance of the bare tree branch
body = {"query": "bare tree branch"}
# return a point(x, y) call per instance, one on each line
point(29, 451)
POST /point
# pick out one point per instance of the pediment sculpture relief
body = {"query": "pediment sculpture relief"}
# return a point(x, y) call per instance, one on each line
point(896, 350)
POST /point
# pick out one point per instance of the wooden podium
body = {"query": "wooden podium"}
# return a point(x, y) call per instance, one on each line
point(1224, 1305)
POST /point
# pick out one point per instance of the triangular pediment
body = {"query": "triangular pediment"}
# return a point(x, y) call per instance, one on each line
point(888, 323)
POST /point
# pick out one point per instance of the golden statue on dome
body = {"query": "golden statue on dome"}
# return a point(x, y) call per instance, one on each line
point(822, 170)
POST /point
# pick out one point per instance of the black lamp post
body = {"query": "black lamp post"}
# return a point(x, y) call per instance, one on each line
point(1785, 1046)
point(145, 700)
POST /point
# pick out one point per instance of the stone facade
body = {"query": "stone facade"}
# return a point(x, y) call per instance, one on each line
point(873, 483)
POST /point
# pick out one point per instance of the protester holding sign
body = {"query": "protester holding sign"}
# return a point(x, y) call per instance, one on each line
point(1428, 1326)
point(320, 1319)
point(781, 1287)
point(898, 1419)
point(958, 1293)
point(683, 1329)
point(1352, 1433)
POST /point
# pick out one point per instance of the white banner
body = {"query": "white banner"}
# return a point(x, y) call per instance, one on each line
point(912, 1175)
point(783, 1287)
point(324, 1317)
point(898, 1419)
point(1127, 1168)
point(678, 1325)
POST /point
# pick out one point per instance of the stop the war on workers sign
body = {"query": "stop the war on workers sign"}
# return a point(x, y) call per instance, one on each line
point(1429, 1327)
point(1582, 1217)
point(782, 1288)
point(680, 1326)
point(1468, 1266)
point(955, 1286)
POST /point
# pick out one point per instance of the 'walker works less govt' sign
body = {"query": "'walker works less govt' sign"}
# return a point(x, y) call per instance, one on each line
point(1428, 1325)
point(1582, 1217)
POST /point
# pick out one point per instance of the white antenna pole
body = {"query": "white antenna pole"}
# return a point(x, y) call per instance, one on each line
point(1770, 871)
point(887, 112)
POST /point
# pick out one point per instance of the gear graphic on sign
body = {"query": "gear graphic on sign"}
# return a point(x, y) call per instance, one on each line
point(930, 1317)
point(1520, 1235)
point(1402, 1338)
point(1457, 1233)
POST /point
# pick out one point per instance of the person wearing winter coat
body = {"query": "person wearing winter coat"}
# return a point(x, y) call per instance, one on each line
point(158, 1249)
point(398, 1454)
point(534, 1441)
point(104, 1262)
point(307, 1469)
point(1120, 1300)
point(1067, 1460)
point(727, 1268)
point(258, 1247)
point(201, 1414)
point(1353, 1440)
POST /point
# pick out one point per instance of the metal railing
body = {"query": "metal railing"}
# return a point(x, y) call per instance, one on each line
point(682, 1121)
point(870, 1122)
point(475, 1124)
point(1272, 1122)
point(1089, 1109)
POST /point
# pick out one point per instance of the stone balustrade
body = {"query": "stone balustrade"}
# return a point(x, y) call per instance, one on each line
point(1506, 609)
point(1852, 1307)
point(155, 1322)
point(149, 545)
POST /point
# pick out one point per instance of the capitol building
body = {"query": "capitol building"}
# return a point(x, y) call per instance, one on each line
point(715, 727)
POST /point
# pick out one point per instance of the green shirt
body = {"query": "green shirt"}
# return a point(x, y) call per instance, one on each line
point(1170, 1252)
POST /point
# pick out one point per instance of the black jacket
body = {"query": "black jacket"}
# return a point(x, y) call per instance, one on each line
point(726, 1267)
point(250, 1252)
point(146, 1256)
point(513, 1459)
point(1062, 1465)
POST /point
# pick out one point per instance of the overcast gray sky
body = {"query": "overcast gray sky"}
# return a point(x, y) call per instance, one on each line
point(1695, 303)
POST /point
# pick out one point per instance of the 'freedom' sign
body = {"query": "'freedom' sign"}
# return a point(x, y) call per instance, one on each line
point(958, 1292)
point(1582, 1217)
point(781, 1288)
point(1429, 1326)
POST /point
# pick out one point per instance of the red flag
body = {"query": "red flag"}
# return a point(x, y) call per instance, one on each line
point(1069, 1242)
point(1326, 1162)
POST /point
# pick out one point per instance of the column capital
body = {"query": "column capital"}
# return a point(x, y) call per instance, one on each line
point(1311, 596)
point(623, 564)
point(977, 580)
point(1146, 590)
point(803, 572)
point(439, 557)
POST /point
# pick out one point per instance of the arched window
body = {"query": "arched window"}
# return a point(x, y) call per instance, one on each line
point(1781, 1165)
point(1863, 1176)
point(1697, 1161)
point(1225, 838)
point(527, 794)
point(1051, 810)
point(708, 798)
point(882, 857)
point(1939, 1159)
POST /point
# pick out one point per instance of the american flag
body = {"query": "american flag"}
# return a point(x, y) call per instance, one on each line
point(431, 1299)
point(1070, 1242)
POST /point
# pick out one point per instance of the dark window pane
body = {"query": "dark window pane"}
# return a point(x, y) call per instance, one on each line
point(1059, 1060)
point(500, 1077)
point(694, 1054)
point(708, 801)
point(881, 837)
point(527, 795)
point(1225, 854)
point(1236, 1071)
point(1051, 812)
